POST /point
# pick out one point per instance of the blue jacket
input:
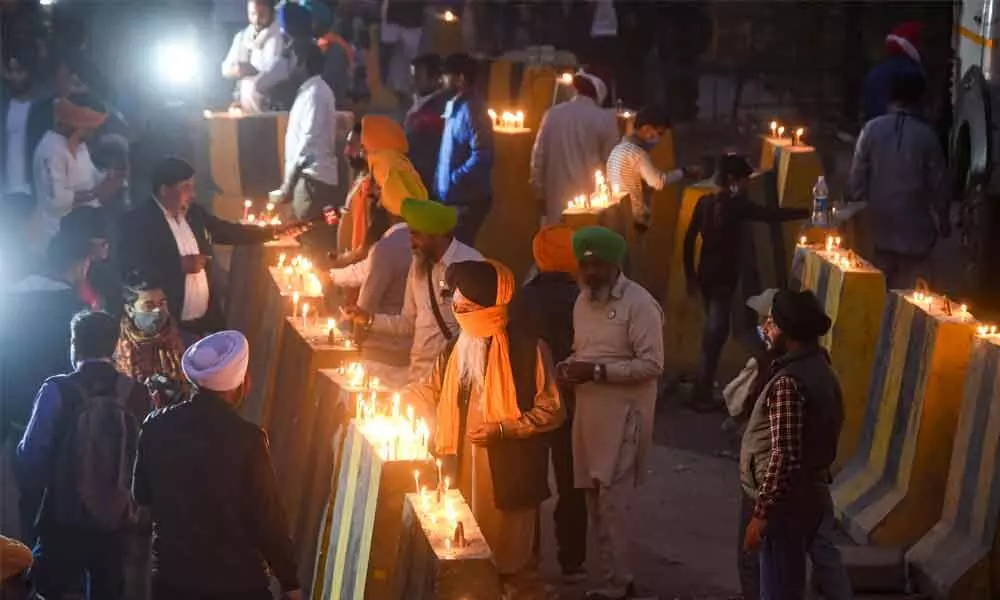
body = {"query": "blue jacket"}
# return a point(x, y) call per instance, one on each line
point(875, 94)
point(465, 160)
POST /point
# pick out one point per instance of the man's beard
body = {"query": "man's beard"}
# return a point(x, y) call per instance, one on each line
point(471, 354)
point(599, 293)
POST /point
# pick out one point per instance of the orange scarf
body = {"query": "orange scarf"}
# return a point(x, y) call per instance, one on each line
point(498, 395)
point(359, 212)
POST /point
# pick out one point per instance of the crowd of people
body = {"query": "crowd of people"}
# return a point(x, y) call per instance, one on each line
point(121, 387)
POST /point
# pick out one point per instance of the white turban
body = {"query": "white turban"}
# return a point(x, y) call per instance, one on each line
point(599, 86)
point(217, 362)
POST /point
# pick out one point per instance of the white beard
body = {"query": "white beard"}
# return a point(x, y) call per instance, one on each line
point(471, 353)
point(599, 295)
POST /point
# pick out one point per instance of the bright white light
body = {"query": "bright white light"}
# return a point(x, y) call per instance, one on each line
point(46, 2)
point(177, 62)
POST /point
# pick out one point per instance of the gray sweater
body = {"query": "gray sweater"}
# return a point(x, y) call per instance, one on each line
point(899, 170)
point(383, 292)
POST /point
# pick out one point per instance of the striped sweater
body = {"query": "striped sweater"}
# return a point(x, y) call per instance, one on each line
point(629, 166)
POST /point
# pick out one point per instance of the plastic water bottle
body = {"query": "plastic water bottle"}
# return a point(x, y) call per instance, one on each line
point(821, 203)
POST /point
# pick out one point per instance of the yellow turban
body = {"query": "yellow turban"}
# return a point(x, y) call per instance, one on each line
point(553, 250)
point(382, 133)
point(385, 145)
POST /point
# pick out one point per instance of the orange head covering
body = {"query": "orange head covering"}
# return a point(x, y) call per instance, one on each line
point(553, 250)
point(15, 558)
point(498, 394)
point(382, 133)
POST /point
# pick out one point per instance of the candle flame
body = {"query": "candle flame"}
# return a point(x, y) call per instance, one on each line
point(781, 131)
point(566, 78)
point(248, 203)
point(449, 16)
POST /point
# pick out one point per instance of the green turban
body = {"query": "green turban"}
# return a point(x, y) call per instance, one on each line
point(600, 243)
point(429, 217)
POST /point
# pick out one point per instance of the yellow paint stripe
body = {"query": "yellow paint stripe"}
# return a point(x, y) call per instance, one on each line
point(933, 348)
point(371, 498)
point(354, 438)
point(834, 291)
point(963, 434)
point(974, 37)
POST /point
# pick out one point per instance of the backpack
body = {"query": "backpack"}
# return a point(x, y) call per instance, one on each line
point(92, 467)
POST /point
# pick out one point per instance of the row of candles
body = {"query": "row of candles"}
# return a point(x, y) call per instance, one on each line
point(299, 276)
point(507, 121)
point(396, 434)
point(777, 131)
point(268, 217)
point(602, 197)
point(921, 296)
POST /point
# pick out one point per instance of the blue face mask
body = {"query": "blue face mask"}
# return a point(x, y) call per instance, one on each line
point(148, 321)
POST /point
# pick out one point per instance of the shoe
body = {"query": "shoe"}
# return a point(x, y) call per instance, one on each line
point(574, 575)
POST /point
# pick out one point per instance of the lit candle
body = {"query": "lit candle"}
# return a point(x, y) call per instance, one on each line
point(281, 260)
point(246, 208)
point(519, 119)
point(440, 480)
point(295, 303)
point(447, 484)
point(416, 479)
point(798, 136)
point(409, 417)
point(251, 218)
point(566, 78)
point(450, 17)
point(774, 129)
point(395, 406)
point(305, 315)
point(331, 331)
point(493, 117)
point(781, 132)
point(802, 241)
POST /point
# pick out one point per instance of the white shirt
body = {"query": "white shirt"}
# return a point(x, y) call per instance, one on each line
point(16, 129)
point(605, 19)
point(629, 166)
point(195, 284)
point(312, 130)
point(417, 318)
point(262, 49)
point(59, 175)
point(574, 140)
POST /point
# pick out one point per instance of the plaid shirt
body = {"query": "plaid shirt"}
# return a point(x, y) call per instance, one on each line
point(785, 415)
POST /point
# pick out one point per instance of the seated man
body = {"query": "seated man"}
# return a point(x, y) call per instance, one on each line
point(500, 375)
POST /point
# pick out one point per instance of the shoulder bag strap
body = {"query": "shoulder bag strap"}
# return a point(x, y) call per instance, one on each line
point(432, 296)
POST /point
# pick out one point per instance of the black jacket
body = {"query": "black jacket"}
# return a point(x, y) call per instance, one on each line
point(546, 302)
point(148, 246)
point(218, 523)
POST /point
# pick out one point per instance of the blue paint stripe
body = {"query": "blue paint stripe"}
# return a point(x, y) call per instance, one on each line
point(982, 394)
point(343, 479)
point(823, 283)
point(876, 390)
point(913, 368)
point(357, 524)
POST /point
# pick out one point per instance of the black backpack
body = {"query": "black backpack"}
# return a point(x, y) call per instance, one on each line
point(94, 454)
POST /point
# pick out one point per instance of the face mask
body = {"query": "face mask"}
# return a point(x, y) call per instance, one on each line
point(147, 322)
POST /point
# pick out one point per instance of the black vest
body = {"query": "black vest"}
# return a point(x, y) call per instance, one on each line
point(519, 467)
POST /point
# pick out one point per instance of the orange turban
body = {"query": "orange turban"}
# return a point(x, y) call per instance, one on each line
point(15, 558)
point(553, 250)
point(382, 133)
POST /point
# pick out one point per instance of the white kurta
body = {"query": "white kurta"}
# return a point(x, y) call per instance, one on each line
point(59, 174)
point(262, 49)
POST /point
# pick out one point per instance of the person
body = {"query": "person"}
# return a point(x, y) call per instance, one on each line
point(902, 57)
point(423, 121)
point(170, 238)
point(205, 475)
point(66, 82)
point(546, 301)
point(35, 334)
point(827, 565)
point(574, 140)
point(79, 447)
point(381, 278)
point(899, 169)
point(789, 445)
point(310, 140)
point(102, 287)
point(616, 363)
point(20, 63)
point(465, 161)
point(64, 175)
point(150, 342)
point(494, 396)
point(631, 169)
point(15, 560)
point(401, 31)
point(720, 221)
point(385, 146)
point(427, 311)
point(255, 59)
point(353, 241)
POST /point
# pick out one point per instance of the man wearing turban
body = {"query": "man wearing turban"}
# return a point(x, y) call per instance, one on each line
point(427, 308)
point(616, 363)
point(494, 394)
point(206, 476)
point(789, 445)
point(546, 302)
point(64, 174)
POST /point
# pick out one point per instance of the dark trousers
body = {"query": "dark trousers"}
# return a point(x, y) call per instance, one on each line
point(571, 506)
point(310, 197)
point(65, 558)
point(720, 317)
point(163, 591)
point(470, 220)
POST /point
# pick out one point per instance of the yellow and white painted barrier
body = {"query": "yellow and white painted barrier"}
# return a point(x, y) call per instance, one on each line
point(770, 149)
point(892, 489)
point(960, 557)
point(852, 292)
point(648, 252)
